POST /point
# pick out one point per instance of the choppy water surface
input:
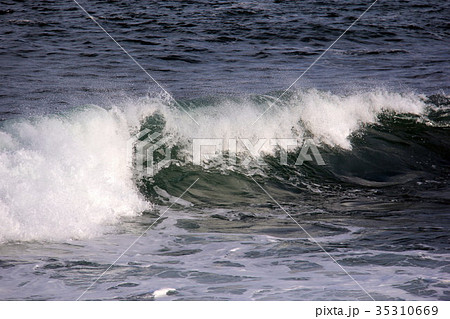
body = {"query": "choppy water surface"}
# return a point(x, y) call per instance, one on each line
point(375, 105)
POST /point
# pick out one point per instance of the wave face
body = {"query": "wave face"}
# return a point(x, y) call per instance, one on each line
point(70, 175)
point(369, 141)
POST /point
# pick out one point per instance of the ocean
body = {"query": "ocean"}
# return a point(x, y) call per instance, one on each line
point(224, 150)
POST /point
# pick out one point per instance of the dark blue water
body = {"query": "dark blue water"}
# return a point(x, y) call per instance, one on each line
point(376, 105)
point(53, 56)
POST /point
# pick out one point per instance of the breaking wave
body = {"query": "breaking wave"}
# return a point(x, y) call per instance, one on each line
point(69, 175)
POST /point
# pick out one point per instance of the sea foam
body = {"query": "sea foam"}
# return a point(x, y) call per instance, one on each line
point(65, 176)
point(327, 118)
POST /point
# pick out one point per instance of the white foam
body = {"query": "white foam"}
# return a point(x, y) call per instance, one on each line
point(330, 118)
point(163, 292)
point(65, 177)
